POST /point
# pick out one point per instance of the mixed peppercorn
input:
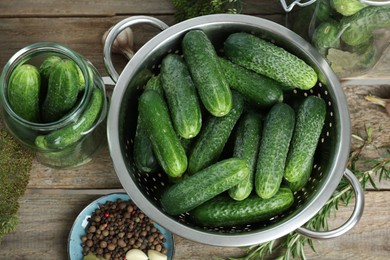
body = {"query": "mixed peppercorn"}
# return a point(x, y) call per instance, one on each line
point(116, 227)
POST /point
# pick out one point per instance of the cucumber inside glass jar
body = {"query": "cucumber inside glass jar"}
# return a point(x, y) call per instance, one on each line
point(68, 98)
point(351, 35)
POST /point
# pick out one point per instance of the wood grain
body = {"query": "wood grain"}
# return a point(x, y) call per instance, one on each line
point(50, 8)
point(46, 219)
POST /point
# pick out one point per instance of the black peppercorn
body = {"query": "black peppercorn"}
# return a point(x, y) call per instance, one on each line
point(116, 227)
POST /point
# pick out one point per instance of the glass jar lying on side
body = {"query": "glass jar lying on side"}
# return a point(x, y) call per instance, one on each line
point(54, 102)
point(351, 34)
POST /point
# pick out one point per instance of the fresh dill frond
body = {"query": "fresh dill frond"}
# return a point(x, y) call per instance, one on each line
point(186, 9)
point(15, 166)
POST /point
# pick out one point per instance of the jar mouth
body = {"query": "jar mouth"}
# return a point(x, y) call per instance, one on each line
point(37, 51)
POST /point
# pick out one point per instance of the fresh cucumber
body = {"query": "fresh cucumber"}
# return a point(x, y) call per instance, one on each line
point(154, 83)
point(202, 61)
point(154, 114)
point(358, 28)
point(62, 91)
point(260, 90)
point(246, 146)
point(223, 211)
point(299, 184)
point(326, 36)
point(214, 134)
point(270, 60)
point(347, 7)
point(204, 185)
point(309, 123)
point(144, 157)
point(66, 136)
point(274, 145)
point(47, 66)
point(181, 96)
point(23, 92)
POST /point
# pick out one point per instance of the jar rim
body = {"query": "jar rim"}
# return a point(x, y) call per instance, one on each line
point(36, 49)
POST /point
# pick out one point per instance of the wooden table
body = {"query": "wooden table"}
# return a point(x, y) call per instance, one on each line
point(55, 197)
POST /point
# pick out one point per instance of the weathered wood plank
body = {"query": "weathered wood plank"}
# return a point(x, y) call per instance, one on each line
point(366, 115)
point(83, 35)
point(49, 8)
point(46, 219)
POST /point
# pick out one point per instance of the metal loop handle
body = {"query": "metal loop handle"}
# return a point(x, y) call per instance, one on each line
point(375, 2)
point(120, 26)
point(288, 8)
point(351, 222)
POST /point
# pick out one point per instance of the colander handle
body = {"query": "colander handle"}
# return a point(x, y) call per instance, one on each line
point(351, 222)
point(117, 29)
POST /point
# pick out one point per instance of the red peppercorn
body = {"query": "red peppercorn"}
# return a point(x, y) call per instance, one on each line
point(107, 215)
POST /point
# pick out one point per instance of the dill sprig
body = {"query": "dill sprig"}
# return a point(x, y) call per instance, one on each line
point(292, 246)
point(186, 9)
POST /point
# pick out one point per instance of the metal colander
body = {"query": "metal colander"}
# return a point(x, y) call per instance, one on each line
point(146, 189)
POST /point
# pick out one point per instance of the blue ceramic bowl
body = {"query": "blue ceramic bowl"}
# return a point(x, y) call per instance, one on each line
point(81, 222)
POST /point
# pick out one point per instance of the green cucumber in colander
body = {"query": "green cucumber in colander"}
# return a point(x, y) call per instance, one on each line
point(270, 60)
point(226, 212)
point(204, 185)
point(209, 79)
point(181, 96)
point(144, 157)
point(301, 182)
point(260, 90)
point(278, 129)
point(309, 123)
point(246, 146)
point(154, 114)
point(216, 131)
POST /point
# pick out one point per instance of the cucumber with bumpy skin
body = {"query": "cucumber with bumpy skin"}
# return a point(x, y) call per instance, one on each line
point(154, 114)
point(66, 136)
point(360, 26)
point(23, 92)
point(300, 183)
point(181, 96)
point(202, 61)
point(260, 90)
point(144, 157)
point(48, 65)
point(348, 7)
point(309, 123)
point(225, 212)
point(204, 185)
point(62, 91)
point(246, 146)
point(326, 36)
point(215, 133)
point(270, 60)
point(274, 145)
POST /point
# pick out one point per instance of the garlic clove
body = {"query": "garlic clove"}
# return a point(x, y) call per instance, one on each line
point(155, 255)
point(123, 43)
point(136, 254)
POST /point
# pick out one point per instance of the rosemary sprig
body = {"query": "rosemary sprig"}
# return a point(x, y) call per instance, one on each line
point(293, 245)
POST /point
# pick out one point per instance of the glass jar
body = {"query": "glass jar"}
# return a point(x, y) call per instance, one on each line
point(72, 139)
point(352, 35)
